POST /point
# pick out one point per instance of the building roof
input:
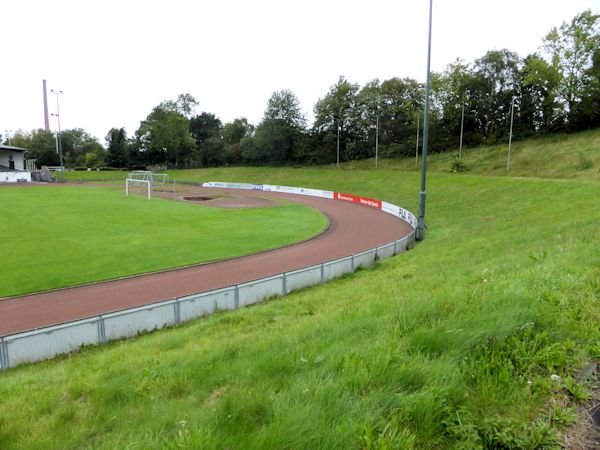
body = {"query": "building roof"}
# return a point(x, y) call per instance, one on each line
point(12, 149)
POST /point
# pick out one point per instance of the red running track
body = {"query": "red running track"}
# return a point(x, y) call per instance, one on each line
point(353, 228)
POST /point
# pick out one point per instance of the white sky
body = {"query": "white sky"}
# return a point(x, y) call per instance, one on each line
point(116, 60)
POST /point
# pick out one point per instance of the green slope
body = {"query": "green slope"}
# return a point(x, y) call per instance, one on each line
point(573, 156)
point(451, 345)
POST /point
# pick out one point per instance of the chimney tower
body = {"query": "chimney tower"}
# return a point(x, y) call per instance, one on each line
point(46, 120)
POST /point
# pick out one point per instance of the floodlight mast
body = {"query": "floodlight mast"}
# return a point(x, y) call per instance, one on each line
point(423, 197)
point(512, 114)
point(58, 141)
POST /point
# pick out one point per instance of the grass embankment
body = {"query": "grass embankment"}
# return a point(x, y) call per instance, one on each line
point(58, 236)
point(559, 156)
point(571, 156)
point(451, 345)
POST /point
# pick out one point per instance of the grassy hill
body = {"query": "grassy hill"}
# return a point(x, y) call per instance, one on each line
point(474, 339)
point(572, 156)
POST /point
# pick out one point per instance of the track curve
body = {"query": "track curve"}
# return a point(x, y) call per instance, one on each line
point(353, 228)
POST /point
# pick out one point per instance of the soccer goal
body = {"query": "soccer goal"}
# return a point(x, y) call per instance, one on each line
point(132, 185)
point(148, 175)
point(146, 181)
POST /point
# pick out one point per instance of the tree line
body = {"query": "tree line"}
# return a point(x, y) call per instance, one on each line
point(554, 90)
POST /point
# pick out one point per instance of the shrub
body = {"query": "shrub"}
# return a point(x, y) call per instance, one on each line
point(459, 166)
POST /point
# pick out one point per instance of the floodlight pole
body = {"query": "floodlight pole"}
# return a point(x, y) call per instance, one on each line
point(338, 144)
point(417, 146)
point(423, 197)
point(512, 113)
point(462, 127)
point(58, 142)
point(377, 141)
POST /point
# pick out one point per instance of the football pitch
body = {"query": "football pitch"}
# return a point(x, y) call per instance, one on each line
point(58, 236)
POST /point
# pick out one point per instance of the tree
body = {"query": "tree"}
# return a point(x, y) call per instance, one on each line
point(234, 132)
point(204, 126)
point(273, 143)
point(77, 143)
point(116, 145)
point(164, 135)
point(401, 102)
point(284, 105)
point(42, 148)
point(572, 48)
point(369, 103)
point(496, 83)
point(337, 111)
point(211, 152)
point(539, 109)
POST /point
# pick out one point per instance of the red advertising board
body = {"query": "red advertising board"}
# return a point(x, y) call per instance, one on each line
point(358, 199)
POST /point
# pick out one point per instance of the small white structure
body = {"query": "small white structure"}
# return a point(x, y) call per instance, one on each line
point(12, 165)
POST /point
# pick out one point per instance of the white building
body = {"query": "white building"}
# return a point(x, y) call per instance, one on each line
point(12, 165)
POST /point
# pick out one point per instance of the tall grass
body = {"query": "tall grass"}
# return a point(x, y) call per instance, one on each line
point(451, 345)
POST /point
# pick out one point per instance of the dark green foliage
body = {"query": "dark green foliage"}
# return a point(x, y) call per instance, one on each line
point(116, 147)
point(458, 165)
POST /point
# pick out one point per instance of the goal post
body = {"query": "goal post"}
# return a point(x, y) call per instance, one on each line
point(130, 182)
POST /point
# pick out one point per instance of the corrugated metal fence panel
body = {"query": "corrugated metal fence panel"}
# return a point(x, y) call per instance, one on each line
point(337, 268)
point(132, 321)
point(3, 355)
point(386, 251)
point(250, 293)
point(364, 259)
point(205, 304)
point(51, 341)
point(302, 278)
point(402, 245)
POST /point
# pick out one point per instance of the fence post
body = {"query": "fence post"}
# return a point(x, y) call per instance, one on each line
point(3, 355)
point(101, 330)
point(284, 283)
point(322, 273)
point(351, 263)
point(236, 297)
point(176, 312)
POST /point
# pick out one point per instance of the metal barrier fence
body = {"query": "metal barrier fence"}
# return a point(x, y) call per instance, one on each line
point(47, 342)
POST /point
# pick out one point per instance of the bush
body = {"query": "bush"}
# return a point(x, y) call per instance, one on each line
point(109, 168)
point(459, 166)
point(584, 163)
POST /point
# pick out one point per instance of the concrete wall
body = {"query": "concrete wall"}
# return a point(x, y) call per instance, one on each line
point(18, 158)
point(14, 177)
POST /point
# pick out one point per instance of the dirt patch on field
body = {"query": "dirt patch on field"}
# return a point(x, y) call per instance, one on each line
point(213, 198)
point(229, 201)
point(584, 434)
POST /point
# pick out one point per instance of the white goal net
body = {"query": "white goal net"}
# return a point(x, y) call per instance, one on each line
point(143, 181)
point(147, 175)
point(133, 185)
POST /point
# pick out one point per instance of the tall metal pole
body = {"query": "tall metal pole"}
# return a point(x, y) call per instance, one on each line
point(423, 197)
point(338, 144)
point(512, 113)
point(377, 142)
point(58, 141)
point(417, 146)
point(462, 127)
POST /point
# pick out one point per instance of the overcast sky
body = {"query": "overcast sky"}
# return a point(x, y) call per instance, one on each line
point(116, 60)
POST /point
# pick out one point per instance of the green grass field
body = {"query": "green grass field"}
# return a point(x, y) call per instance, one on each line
point(451, 345)
point(63, 235)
